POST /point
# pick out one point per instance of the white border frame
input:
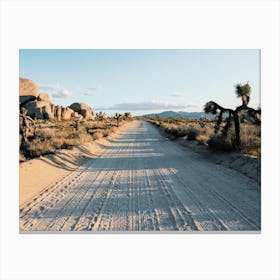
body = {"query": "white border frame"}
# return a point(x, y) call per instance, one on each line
point(142, 24)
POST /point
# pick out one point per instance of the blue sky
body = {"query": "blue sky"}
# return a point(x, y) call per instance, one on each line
point(143, 81)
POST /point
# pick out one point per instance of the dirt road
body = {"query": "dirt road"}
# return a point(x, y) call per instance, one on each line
point(145, 182)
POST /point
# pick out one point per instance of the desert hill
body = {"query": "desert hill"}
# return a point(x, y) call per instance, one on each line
point(179, 115)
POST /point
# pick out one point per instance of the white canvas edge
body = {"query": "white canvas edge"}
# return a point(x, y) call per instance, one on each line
point(180, 24)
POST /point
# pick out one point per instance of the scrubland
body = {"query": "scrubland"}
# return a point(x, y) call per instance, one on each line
point(48, 136)
point(203, 132)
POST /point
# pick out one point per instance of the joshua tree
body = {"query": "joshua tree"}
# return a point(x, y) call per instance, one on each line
point(101, 116)
point(118, 117)
point(127, 115)
point(242, 91)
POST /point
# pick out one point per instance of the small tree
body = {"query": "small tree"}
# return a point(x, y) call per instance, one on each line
point(118, 117)
point(212, 107)
point(101, 116)
point(27, 126)
point(127, 115)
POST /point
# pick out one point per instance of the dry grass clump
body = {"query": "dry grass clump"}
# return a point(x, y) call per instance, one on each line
point(175, 130)
point(37, 148)
point(109, 131)
point(250, 139)
point(190, 131)
point(47, 140)
point(250, 136)
point(220, 143)
point(97, 135)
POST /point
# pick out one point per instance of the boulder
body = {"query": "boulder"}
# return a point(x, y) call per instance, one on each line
point(53, 109)
point(44, 97)
point(57, 112)
point(28, 90)
point(83, 109)
point(39, 109)
point(66, 113)
point(75, 115)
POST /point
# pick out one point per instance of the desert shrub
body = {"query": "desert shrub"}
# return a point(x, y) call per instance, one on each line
point(73, 135)
point(113, 129)
point(175, 131)
point(182, 130)
point(37, 148)
point(60, 143)
point(109, 131)
point(202, 138)
point(250, 139)
point(84, 137)
point(220, 143)
point(192, 133)
point(45, 133)
point(106, 133)
point(97, 135)
point(68, 144)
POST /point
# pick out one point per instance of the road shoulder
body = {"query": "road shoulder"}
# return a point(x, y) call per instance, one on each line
point(245, 164)
point(38, 174)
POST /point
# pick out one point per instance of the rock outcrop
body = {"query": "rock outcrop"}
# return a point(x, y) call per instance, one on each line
point(66, 113)
point(38, 109)
point(83, 109)
point(57, 112)
point(44, 97)
point(28, 90)
point(38, 105)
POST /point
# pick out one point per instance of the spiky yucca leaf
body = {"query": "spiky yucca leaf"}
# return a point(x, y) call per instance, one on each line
point(242, 90)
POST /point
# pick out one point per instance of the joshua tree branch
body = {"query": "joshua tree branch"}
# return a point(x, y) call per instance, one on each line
point(27, 118)
point(252, 112)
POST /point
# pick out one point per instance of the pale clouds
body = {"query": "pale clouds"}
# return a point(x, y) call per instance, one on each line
point(178, 94)
point(147, 106)
point(90, 91)
point(57, 91)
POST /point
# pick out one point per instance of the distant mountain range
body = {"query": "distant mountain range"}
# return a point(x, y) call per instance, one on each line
point(179, 115)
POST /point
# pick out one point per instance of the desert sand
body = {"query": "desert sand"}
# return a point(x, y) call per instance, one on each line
point(40, 174)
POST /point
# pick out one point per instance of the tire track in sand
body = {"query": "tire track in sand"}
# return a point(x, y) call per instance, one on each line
point(144, 182)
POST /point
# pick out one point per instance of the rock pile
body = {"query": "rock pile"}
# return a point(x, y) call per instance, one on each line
point(38, 109)
point(28, 90)
point(38, 105)
point(83, 109)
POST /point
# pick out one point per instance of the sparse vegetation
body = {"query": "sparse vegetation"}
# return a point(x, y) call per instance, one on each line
point(224, 125)
point(220, 135)
point(46, 136)
point(203, 132)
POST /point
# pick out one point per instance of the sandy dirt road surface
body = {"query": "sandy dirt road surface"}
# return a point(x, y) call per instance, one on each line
point(145, 182)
